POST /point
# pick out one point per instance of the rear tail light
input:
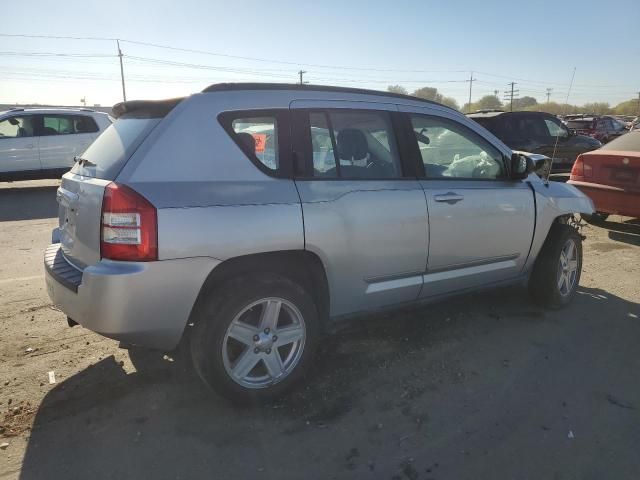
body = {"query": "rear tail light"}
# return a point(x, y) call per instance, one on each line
point(577, 171)
point(129, 226)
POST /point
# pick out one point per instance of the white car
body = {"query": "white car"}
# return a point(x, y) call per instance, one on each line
point(42, 142)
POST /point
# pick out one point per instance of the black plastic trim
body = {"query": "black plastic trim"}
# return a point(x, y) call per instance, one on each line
point(61, 270)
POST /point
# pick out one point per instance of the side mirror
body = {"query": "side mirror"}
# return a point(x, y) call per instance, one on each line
point(521, 166)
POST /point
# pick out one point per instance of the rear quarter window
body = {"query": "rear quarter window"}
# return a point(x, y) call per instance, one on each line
point(262, 135)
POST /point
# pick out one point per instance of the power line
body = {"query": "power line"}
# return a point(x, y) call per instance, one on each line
point(56, 37)
point(266, 60)
point(54, 54)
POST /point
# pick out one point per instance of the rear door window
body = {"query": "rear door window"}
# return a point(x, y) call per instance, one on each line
point(353, 144)
point(67, 124)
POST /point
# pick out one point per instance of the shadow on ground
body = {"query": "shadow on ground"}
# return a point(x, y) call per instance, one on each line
point(28, 203)
point(399, 396)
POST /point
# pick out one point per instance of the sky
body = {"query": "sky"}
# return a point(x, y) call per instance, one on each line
point(365, 44)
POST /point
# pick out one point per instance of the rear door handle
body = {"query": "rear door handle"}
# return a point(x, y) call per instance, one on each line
point(449, 197)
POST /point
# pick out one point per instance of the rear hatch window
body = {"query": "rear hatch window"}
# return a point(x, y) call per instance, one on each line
point(106, 156)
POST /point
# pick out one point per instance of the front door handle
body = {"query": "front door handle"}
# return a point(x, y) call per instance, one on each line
point(449, 197)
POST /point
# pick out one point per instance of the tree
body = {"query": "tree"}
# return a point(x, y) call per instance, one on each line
point(524, 102)
point(431, 93)
point(450, 102)
point(599, 108)
point(397, 89)
point(630, 107)
point(428, 93)
point(488, 102)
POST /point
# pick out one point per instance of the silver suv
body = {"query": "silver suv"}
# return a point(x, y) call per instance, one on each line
point(258, 214)
point(42, 142)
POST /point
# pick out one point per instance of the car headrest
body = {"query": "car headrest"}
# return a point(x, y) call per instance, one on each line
point(247, 140)
point(352, 144)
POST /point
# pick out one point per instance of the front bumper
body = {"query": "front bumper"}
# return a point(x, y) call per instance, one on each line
point(612, 200)
point(140, 303)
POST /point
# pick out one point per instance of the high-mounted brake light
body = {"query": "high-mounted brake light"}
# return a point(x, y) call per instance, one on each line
point(128, 227)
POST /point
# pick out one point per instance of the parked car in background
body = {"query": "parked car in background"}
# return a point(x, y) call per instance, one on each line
point(259, 214)
point(603, 128)
point(42, 143)
point(610, 176)
point(537, 132)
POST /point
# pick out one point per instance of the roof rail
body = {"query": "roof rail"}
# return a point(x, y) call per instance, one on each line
point(85, 109)
point(16, 109)
point(221, 87)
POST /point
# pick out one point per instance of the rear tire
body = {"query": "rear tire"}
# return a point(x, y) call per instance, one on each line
point(255, 337)
point(556, 272)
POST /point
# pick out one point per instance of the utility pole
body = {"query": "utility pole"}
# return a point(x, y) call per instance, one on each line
point(639, 104)
point(510, 95)
point(549, 90)
point(495, 93)
point(471, 80)
point(124, 93)
point(301, 73)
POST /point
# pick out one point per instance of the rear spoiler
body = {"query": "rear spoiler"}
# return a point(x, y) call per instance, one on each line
point(145, 108)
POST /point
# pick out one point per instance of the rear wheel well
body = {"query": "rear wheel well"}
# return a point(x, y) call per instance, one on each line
point(300, 266)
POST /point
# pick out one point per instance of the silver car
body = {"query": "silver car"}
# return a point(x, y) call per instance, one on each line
point(257, 214)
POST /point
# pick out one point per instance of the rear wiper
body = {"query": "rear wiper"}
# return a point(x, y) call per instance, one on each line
point(83, 162)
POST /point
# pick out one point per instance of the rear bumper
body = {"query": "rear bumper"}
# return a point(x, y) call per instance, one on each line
point(608, 199)
point(141, 303)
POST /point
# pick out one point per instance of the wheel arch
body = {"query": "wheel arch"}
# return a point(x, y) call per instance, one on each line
point(300, 266)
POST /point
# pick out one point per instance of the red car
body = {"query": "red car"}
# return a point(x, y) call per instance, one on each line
point(610, 176)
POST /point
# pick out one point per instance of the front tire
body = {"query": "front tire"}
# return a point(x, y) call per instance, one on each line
point(255, 337)
point(556, 272)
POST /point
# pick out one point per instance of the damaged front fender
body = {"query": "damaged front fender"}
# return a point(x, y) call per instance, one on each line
point(553, 200)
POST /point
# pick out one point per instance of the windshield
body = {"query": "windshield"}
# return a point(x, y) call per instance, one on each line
point(107, 155)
